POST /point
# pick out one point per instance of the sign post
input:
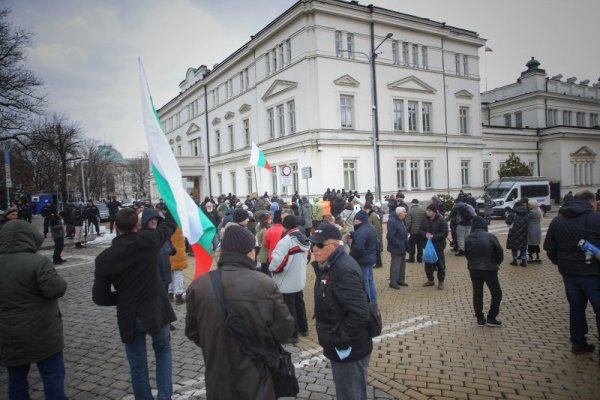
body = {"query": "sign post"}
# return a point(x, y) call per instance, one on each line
point(286, 176)
point(307, 174)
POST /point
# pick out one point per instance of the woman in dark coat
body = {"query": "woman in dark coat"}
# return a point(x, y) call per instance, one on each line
point(517, 235)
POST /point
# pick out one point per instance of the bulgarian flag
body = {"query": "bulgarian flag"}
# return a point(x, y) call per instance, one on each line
point(257, 157)
point(196, 226)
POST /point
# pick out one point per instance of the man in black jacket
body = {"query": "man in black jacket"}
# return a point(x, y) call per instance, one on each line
point(341, 313)
point(484, 256)
point(113, 209)
point(434, 227)
point(92, 214)
point(130, 264)
point(576, 221)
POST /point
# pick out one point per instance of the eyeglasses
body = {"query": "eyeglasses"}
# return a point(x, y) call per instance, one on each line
point(320, 245)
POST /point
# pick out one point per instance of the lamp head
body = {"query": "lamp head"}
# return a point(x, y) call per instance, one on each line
point(389, 35)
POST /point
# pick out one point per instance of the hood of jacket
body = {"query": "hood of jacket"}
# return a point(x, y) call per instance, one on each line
point(479, 223)
point(19, 236)
point(303, 241)
point(148, 214)
point(575, 208)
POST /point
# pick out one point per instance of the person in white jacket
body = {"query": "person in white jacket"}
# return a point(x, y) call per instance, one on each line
point(288, 266)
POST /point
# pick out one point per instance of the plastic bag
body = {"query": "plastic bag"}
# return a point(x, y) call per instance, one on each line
point(429, 254)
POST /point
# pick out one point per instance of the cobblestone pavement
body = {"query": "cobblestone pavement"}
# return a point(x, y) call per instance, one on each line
point(431, 346)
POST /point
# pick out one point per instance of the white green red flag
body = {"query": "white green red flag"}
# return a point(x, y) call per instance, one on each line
point(257, 157)
point(196, 226)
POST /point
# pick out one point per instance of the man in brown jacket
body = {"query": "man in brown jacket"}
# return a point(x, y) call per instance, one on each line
point(229, 372)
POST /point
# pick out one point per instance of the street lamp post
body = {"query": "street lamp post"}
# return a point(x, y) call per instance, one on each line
point(83, 179)
point(374, 119)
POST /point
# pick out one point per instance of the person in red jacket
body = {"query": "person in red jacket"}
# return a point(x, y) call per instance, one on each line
point(273, 234)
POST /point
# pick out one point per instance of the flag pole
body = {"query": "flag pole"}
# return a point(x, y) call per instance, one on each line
point(255, 181)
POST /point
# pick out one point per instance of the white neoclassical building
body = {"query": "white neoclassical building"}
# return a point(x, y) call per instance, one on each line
point(302, 89)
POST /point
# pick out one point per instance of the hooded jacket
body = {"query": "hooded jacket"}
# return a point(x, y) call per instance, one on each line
point(167, 249)
point(230, 373)
point(31, 326)
point(575, 221)
point(482, 249)
point(517, 234)
point(364, 244)
point(288, 261)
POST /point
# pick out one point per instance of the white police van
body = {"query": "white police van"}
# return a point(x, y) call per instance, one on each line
point(505, 192)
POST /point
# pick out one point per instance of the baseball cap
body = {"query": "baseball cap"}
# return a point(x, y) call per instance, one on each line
point(324, 232)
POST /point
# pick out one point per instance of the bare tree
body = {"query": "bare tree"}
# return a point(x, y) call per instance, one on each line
point(100, 169)
point(139, 172)
point(19, 101)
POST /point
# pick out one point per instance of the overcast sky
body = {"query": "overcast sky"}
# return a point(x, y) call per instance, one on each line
point(86, 50)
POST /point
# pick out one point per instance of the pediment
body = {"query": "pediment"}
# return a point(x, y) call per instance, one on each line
point(463, 94)
point(245, 108)
point(346, 80)
point(229, 115)
point(584, 152)
point(278, 87)
point(216, 121)
point(412, 84)
point(193, 128)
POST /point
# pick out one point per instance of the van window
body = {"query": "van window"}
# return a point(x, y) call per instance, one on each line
point(534, 190)
point(497, 189)
point(514, 194)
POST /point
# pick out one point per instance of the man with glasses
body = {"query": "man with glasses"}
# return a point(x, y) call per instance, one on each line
point(341, 313)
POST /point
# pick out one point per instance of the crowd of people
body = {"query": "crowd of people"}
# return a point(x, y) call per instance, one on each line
point(263, 248)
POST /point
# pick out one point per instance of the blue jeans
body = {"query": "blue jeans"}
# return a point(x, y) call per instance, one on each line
point(350, 379)
point(52, 370)
point(138, 363)
point(520, 254)
point(580, 290)
point(369, 284)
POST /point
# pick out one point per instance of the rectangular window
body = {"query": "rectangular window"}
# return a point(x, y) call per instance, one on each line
point(347, 111)
point(463, 117)
point(518, 119)
point(428, 169)
point(552, 117)
point(350, 41)
point(249, 179)
point(230, 131)
point(401, 174)
point(231, 87)
point(233, 182)
point(218, 137)
point(274, 59)
point(398, 115)
point(246, 78)
point(395, 53)
point(178, 119)
point(281, 56)
point(220, 182)
point(274, 179)
point(349, 174)
point(424, 57)
point(580, 119)
point(271, 118)
point(280, 121)
point(288, 51)
point(414, 174)
point(291, 106)
point(268, 63)
point(338, 43)
point(465, 65)
point(241, 81)
point(593, 120)
point(412, 116)
point(508, 120)
point(532, 167)
point(457, 63)
point(464, 172)
point(566, 118)
point(487, 171)
point(295, 185)
point(426, 117)
point(196, 147)
point(405, 53)
point(246, 124)
point(415, 55)
point(179, 150)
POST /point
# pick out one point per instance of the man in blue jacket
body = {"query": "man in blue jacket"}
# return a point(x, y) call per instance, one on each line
point(581, 275)
point(341, 313)
point(130, 264)
point(364, 250)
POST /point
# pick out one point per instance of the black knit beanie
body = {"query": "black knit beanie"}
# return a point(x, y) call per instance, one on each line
point(237, 239)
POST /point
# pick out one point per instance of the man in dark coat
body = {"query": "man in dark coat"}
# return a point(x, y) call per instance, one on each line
point(484, 256)
point(517, 234)
point(581, 275)
point(113, 209)
point(341, 313)
point(31, 329)
point(363, 249)
point(229, 372)
point(130, 264)
point(434, 227)
point(92, 214)
point(46, 212)
point(397, 237)
point(414, 217)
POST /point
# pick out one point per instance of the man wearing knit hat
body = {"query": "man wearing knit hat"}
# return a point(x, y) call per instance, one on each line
point(288, 265)
point(434, 227)
point(363, 249)
point(255, 298)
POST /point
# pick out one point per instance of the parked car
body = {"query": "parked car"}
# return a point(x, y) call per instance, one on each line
point(104, 214)
point(127, 202)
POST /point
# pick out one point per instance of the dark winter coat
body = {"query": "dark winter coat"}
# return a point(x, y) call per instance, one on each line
point(341, 307)
point(397, 236)
point(31, 326)
point(482, 249)
point(438, 227)
point(517, 234)
point(575, 221)
point(166, 250)
point(414, 218)
point(364, 244)
point(229, 373)
point(130, 265)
